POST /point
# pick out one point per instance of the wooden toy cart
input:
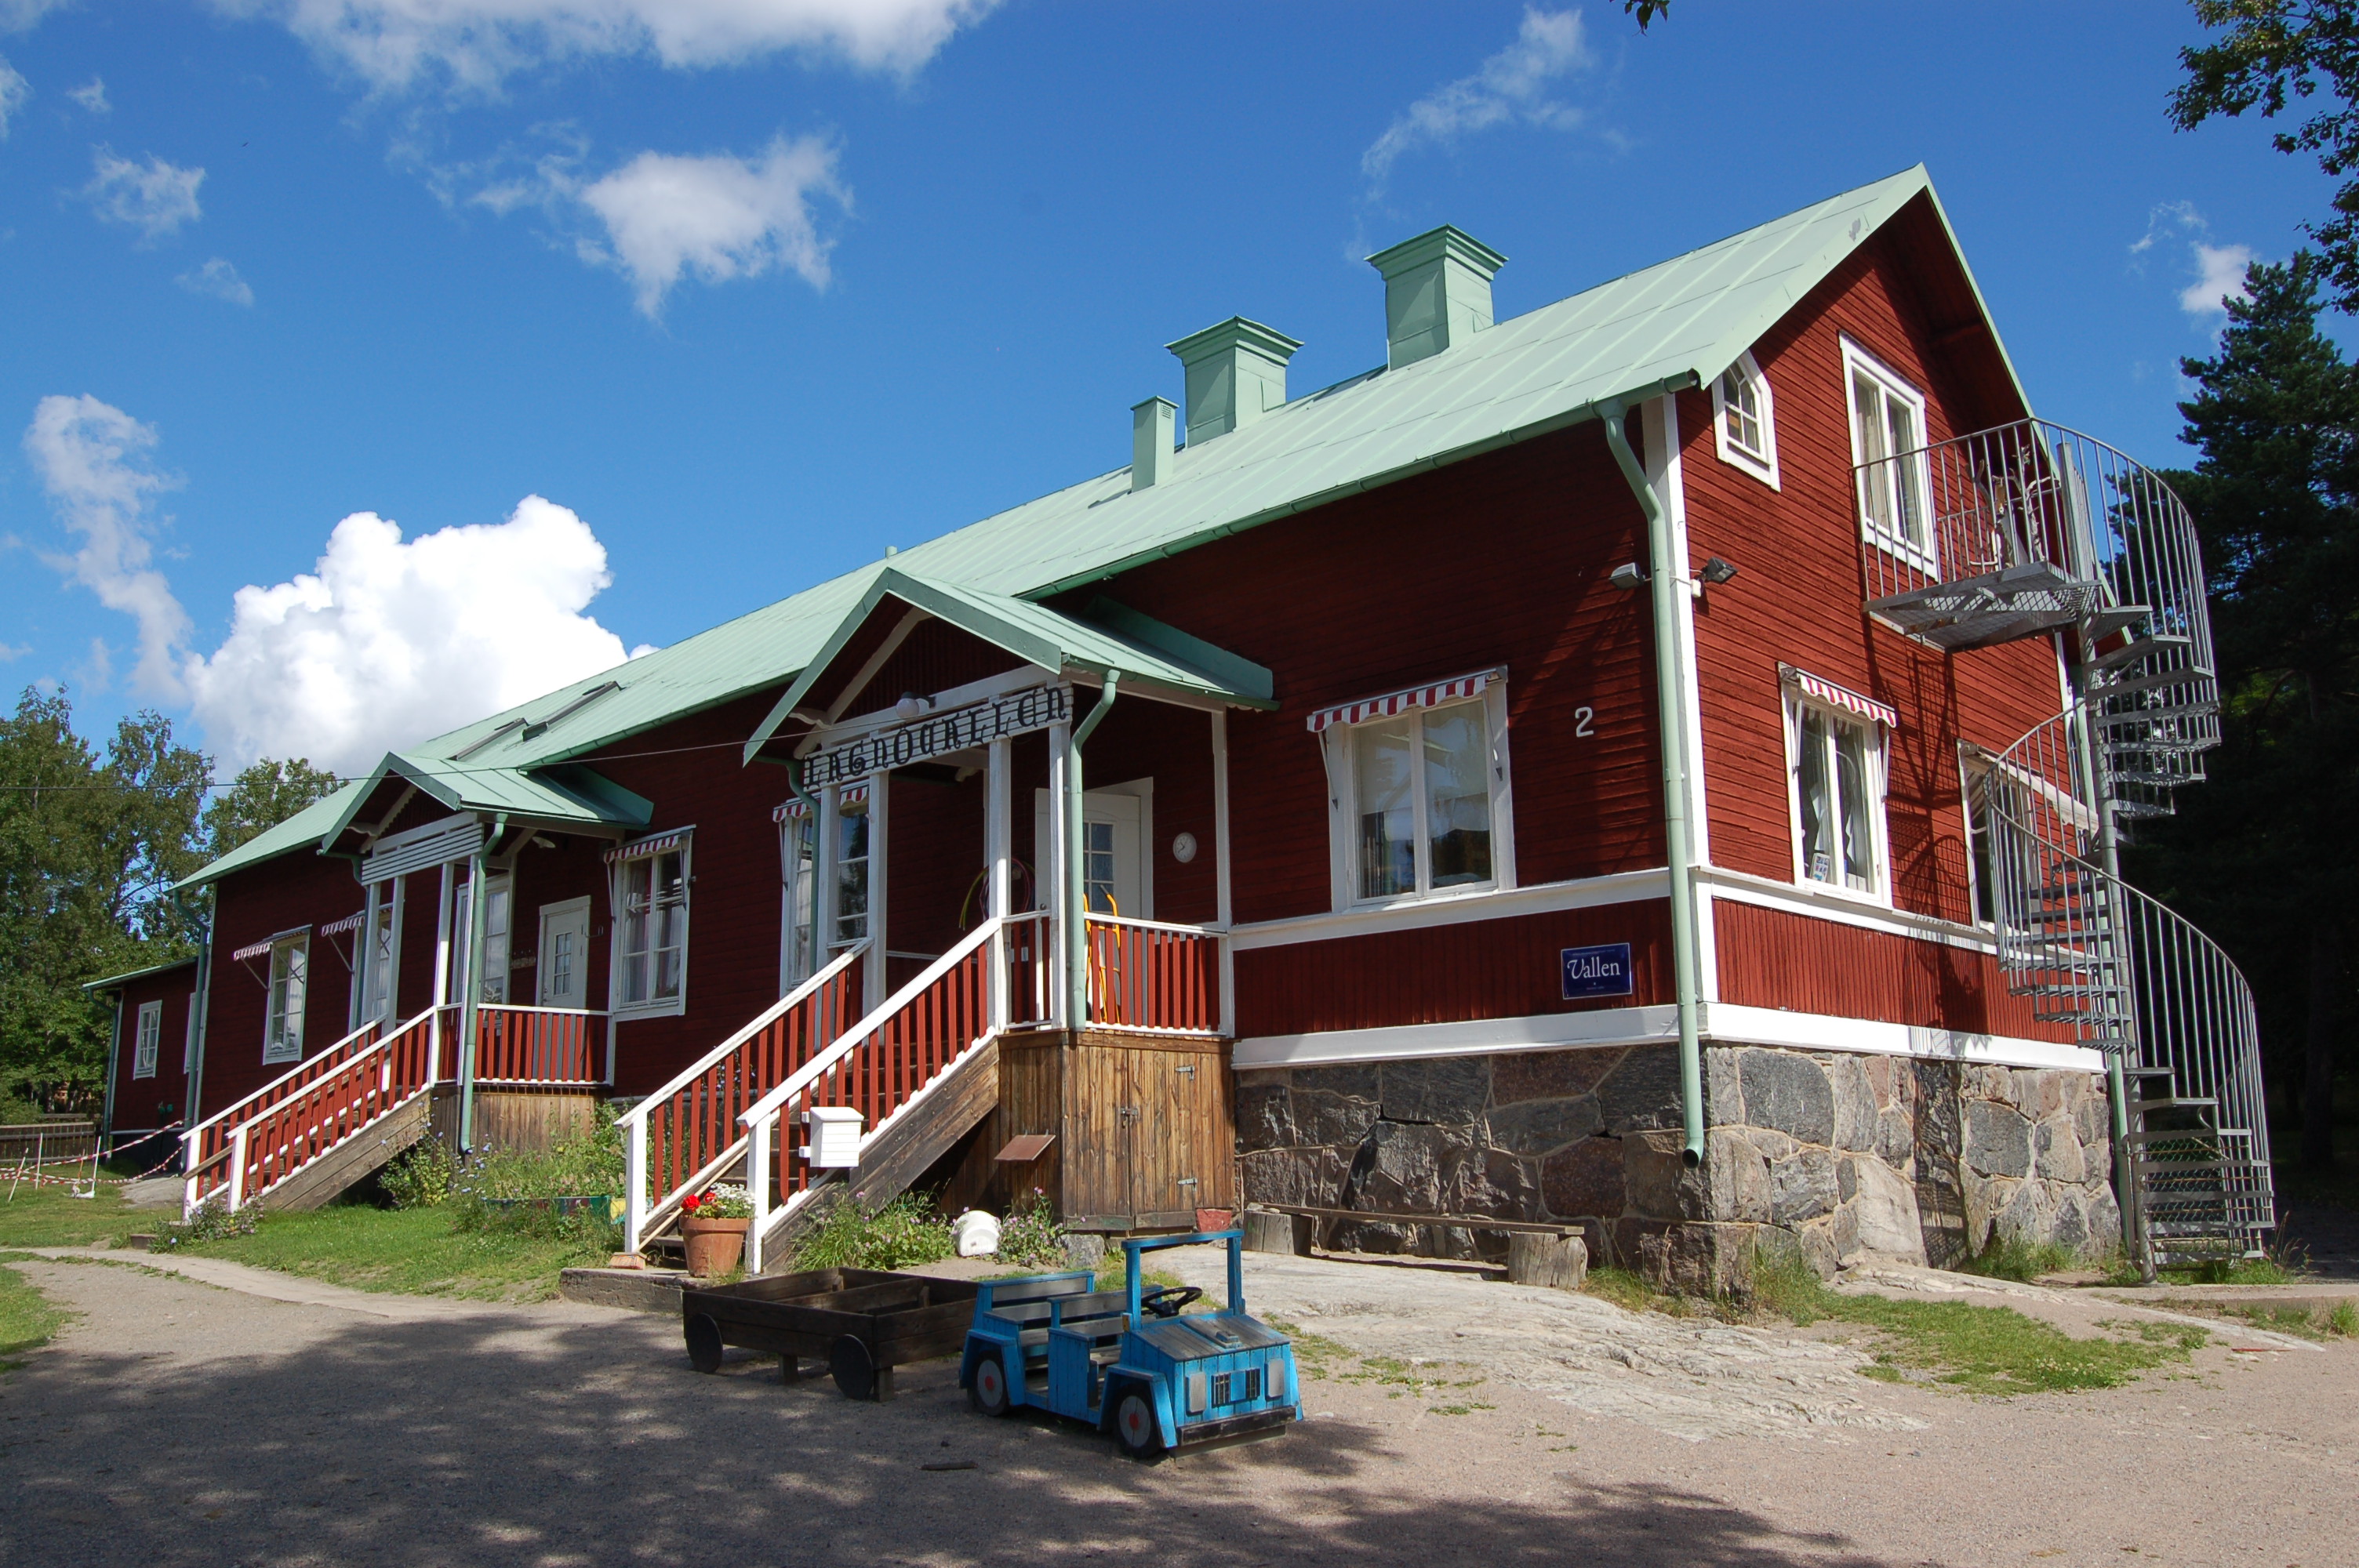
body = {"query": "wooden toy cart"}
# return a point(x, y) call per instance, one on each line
point(859, 1323)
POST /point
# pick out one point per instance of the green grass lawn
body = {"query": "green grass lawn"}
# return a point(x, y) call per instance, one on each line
point(27, 1318)
point(412, 1251)
point(47, 1217)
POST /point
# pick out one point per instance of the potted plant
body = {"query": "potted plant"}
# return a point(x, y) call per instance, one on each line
point(712, 1225)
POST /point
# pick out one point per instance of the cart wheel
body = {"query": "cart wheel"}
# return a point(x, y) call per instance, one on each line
point(848, 1362)
point(1135, 1426)
point(988, 1392)
point(703, 1336)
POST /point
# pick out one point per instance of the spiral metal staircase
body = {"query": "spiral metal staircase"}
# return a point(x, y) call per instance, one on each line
point(2033, 530)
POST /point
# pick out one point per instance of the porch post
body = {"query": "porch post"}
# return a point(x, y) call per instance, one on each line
point(824, 902)
point(473, 953)
point(1222, 912)
point(880, 834)
point(365, 962)
point(997, 834)
point(1052, 856)
point(447, 886)
point(390, 1004)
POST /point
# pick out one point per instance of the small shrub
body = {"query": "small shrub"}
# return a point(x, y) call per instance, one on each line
point(2343, 1321)
point(421, 1178)
point(1031, 1236)
point(907, 1230)
point(213, 1221)
point(16, 1111)
point(2013, 1258)
point(491, 1190)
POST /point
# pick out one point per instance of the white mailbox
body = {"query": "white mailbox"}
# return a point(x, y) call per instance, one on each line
point(834, 1136)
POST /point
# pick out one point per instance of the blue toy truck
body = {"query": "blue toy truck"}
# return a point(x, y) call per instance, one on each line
point(1127, 1361)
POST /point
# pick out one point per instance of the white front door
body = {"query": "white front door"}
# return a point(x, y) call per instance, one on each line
point(1113, 851)
point(564, 961)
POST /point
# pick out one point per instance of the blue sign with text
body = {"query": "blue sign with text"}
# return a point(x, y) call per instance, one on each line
point(1597, 972)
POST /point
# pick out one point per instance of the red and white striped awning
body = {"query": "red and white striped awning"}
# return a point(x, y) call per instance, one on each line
point(256, 949)
point(1397, 702)
point(646, 846)
point(850, 795)
point(349, 923)
point(1840, 696)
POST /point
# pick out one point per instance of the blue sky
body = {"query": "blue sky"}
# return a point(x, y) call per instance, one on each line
point(750, 289)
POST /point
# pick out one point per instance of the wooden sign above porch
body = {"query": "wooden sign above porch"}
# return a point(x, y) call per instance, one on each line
point(940, 734)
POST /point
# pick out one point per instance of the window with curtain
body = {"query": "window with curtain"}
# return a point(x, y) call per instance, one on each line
point(1838, 781)
point(1742, 426)
point(1421, 802)
point(851, 874)
point(149, 1035)
point(798, 847)
point(1887, 427)
point(651, 932)
point(282, 1031)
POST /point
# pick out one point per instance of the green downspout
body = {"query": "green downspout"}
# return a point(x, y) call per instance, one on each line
point(473, 963)
point(1077, 934)
point(1666, 578)
point(203, 1005)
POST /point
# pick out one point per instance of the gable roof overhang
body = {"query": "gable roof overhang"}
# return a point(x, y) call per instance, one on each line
point(567, 797)
point(1149, 657)
point(116, 982)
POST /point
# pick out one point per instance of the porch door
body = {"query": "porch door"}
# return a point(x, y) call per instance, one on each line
point(564, 961)
point(1113, 845)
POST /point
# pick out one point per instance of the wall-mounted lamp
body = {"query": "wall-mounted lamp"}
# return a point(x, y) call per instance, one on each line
point(1628, 576)
point(1717, 571)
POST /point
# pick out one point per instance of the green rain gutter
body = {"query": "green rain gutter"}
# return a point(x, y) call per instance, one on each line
point(1665, 580)
point(1077, 935)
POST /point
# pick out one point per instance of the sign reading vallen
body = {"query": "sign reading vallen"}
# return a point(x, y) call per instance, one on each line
point(1597, 972)
point(939, 734)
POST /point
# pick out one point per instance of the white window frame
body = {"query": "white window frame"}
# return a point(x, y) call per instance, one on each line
point(1762, 465)
point(1797, 703)
point(616, 964)
point(148, 1034)
point(1344, 814)
point(1858, 362)
point(282, 1031)
point(1973, 776)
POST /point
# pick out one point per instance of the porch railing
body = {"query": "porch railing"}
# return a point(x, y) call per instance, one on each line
point(540, 1044)
point(1154, 977)
point(685, 1135)
point(882, 1066)
point(239, 1154)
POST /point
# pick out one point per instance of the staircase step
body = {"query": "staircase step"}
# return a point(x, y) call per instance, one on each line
point(2108, 619)
point(2192, 1102)
point(2147, 681)
point(2139, 648)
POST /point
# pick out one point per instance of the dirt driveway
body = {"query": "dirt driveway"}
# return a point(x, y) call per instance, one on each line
point(178, 1423)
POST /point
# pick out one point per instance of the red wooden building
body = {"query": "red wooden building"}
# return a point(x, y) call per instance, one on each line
point(1653, 763)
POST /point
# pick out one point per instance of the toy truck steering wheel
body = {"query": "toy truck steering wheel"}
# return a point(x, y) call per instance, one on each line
point(1168, 1301)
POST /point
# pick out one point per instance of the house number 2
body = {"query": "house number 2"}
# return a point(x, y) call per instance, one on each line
point(1580, 720)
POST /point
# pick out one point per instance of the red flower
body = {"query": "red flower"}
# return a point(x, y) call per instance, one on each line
point(689, 1202)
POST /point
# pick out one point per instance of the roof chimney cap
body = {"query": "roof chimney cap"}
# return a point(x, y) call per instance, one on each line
point(1150, 441)
point(1437, 292)
point(1235, 374)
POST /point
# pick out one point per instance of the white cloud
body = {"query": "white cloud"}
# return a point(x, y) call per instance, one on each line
point(475, 45)
point(20, 15)
point(218, 279)
point(2219, 277)
point(14, 90)
point(93, 458)
point(1512, 85)
point(718, 217)
point(91, 95)
point(387, 642)
point(156, 199)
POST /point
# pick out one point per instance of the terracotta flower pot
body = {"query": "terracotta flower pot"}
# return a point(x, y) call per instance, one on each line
point(714, 1246)
point(1215, 1219)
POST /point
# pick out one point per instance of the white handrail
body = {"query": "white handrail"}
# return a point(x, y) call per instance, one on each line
point(849, 1041)
point(307, 1062)
point(520, 1007)
point(638, 1114)
point(1097, 919)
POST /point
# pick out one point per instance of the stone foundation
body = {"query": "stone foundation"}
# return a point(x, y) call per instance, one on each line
point(1843, 1156)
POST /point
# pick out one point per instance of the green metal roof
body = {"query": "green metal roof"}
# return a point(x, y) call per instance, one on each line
point(124, 979)
point(565, 795)
point(1677, 324)
point(305, 829)
point(1040, 635)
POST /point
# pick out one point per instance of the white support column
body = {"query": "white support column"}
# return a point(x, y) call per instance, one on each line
point(391, 1000)
point(823, 898)
point(364, 988)
point(880, 837)
point(446, 888)
point(1223, 915)
point(998, 840)
point(237, 1167)
point(634, 1179)
point(757, 1187)
point(1050, 863)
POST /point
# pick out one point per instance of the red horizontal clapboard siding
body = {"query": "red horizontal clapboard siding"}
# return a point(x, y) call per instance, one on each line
point(298, 889)
point(1773, 958)
point(141, 1103)
point(1798, 596)
point(1447, 974)
point(935, 656)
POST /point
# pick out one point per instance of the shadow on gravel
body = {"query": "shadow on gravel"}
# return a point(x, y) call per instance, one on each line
point(493, 1441)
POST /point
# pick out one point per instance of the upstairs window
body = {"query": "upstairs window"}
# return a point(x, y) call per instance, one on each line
point(149, 1035)
point(1835, 749)
point(1418, 792)
point(650, 902)
point(1887, 449)
point(282, 1030)
point(1742, 425)
point(850, 859)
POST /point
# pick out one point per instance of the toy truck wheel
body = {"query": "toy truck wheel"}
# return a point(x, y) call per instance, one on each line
point(703, 1336)
point(1135, 1426)
point(988, 1390)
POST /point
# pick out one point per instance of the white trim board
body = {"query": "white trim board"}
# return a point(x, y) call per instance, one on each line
point(1819, 902)
point(1721, 1023)
point(1491, 904)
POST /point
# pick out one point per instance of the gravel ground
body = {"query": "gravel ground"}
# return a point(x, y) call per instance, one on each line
point(182, 1422)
